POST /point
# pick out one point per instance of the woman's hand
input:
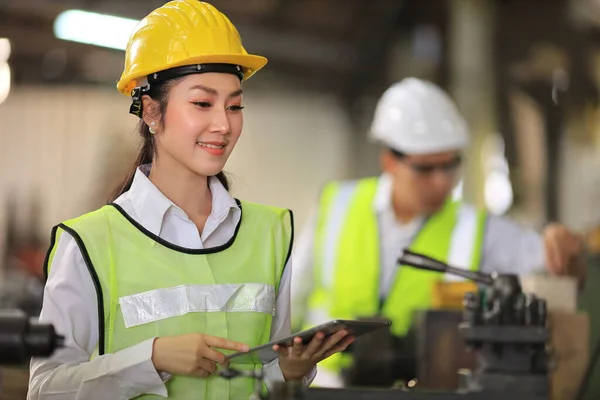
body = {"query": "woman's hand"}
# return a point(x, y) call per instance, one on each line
point(298, 360)
point(192, 354)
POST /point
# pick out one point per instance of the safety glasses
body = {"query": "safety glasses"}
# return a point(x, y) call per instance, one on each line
point(448, 167)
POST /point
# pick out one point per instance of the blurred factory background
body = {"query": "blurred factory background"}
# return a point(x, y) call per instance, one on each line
point(525, 73)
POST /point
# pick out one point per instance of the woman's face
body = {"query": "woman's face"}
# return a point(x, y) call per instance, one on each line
point(202, 123)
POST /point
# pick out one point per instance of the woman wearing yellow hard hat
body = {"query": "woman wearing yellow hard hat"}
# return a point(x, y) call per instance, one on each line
point(152, 290)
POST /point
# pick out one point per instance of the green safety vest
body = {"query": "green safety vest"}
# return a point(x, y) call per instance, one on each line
point(347, 249)
point(147, 287)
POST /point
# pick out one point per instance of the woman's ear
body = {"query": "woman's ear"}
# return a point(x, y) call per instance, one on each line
point(150, 111)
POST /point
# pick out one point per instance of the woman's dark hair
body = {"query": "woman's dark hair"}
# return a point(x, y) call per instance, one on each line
point(147, 154)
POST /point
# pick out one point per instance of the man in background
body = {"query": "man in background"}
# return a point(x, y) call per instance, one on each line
point(345, 261)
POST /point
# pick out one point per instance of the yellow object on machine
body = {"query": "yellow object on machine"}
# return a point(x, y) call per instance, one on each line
point(593, 240)
point(450, 295)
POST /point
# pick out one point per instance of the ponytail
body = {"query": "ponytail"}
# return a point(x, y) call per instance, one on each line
point(145, 156)
point(223, 179)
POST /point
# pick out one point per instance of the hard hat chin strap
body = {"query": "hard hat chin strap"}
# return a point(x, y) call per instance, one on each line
point(178, 72)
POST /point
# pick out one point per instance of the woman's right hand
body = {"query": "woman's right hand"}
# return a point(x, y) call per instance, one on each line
point(192, 354)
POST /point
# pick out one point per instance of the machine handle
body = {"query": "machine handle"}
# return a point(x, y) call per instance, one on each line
point(421, 261)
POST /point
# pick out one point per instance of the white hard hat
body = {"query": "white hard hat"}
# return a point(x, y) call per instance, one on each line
point(417, 117)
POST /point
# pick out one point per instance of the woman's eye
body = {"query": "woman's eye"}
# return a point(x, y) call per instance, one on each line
point(235, 108)
point(202, 104)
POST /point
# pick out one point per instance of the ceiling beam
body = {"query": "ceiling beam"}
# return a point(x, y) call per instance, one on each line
point(32, 34)
point(372, 48)
point(300, 48)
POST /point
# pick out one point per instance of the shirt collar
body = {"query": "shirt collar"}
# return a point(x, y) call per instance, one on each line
point(222, 201)
point(383, 195)
point(151, 205)
point(382, 205)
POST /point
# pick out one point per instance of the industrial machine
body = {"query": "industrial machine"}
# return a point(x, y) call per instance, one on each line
point(505, 328)
point(21, 338)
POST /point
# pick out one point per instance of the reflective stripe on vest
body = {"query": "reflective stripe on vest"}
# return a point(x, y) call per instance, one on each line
point(347, 265)
point(154, 305)
point(149, 288)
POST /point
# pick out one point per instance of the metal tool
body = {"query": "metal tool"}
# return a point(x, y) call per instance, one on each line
point(421, 261)
point(505, 327)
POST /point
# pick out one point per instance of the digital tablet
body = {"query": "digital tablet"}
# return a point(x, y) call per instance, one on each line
point(264, 354)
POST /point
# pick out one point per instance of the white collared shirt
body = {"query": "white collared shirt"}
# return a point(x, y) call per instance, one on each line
point(71, 306)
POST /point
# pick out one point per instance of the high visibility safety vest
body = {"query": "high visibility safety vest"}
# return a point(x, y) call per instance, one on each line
point(347, 251)
point(147, 287)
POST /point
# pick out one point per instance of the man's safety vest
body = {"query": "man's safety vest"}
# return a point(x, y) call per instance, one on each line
point(147, 287)
point(347, 251)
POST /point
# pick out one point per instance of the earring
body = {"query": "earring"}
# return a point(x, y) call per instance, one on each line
point(152, 131)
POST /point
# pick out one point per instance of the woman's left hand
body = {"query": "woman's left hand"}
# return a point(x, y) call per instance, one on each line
point(298, 360)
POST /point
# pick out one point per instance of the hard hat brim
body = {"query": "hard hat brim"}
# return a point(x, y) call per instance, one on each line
point(250, 62)
point(417, 149)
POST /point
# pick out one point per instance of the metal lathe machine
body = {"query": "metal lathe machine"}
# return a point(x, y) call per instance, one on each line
point(505, 328)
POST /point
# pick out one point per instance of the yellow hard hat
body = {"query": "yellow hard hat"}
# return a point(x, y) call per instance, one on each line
point(183, 33)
